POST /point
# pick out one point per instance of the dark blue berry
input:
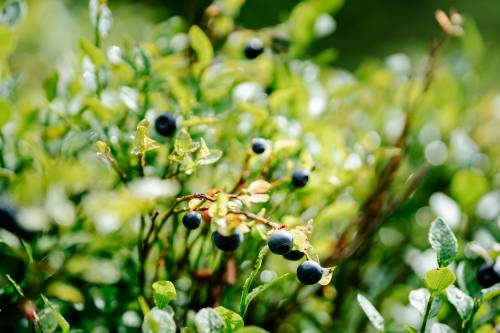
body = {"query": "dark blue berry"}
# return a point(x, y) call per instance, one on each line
point(227, 243)
point(191, 220)
point(259, 145)
point(293, 255)
point(309, 272)
point(254, 48)
point(300, 177)
point(9, 222)
point(166, 124)
point(280, 242)
point(488, 275)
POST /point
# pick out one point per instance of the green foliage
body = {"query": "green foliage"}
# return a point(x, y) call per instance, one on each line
point(163, 293)
point(371, 312)
point(443, 241)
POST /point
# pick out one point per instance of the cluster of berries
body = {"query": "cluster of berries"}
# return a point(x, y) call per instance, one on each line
point(279, 242)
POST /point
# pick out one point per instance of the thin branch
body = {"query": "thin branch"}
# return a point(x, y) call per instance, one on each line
point(371, 211)
point(256, 218)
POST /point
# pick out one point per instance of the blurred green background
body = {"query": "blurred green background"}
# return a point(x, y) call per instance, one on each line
point(364, 29)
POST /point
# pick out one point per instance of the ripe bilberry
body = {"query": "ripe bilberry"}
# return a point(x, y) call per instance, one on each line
point(166, 124)
point(488, 275)
point(309, 272)
point(300, 177)
point(254, 48)
point(227, 243)
point(191, 220)
point(258, 145)
point(280, 242)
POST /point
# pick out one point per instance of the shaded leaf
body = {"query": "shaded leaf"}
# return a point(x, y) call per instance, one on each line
point(63, 324)
point(490, 292)
point(207, 320)
point(11, 13)
point(441, 328)
point(460, 300)
point(263, 287)
point(249, 280)
point(231, 318)
point(5, 111)
point(50, 86)
point(15, 285)
point(371, 312)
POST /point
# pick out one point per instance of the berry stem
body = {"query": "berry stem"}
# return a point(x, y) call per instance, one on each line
point(427, 313)
point(256, 218)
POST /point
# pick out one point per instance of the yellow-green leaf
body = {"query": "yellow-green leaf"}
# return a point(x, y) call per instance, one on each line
point(163, 293)
point(202, 47)
point(93, 52)
point(63, 324)
point(439, 279)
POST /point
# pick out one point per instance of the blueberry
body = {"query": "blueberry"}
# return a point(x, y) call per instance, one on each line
point(191, 220)
point(227, 243)
point(300, 177)
point(280, 242)
point(259, 145)
point(488, 275)
point(254, 48)
point(166, 124)
point(293, 255)
point(309, 272)
point(9, 222)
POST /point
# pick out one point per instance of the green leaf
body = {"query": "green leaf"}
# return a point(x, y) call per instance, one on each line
point(142, 142)
point(150, 325)
point(197, 121)
point(443, 241)
point(250, 278)
point(441, 328)
point(410, 329)
point(202, 47)
point(371, 312)
point(211, 158)
point(164, 322)
point(50, 86)
point(251, 329)
point(231, 318)
point(65, 292)
point(93, 52)
point(5, 111)
point(184, 144)
point(263, 287)
point(490, 292)
point(11, 13)
point(163, 293)
point(419, 299)
point(439, 279)
point(207, 320)
point(63, 324)
point(460, 300)
point(15, 285)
